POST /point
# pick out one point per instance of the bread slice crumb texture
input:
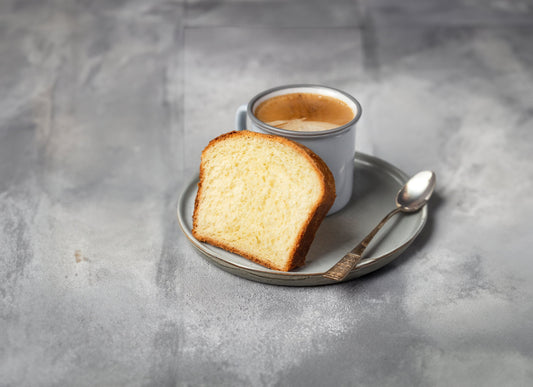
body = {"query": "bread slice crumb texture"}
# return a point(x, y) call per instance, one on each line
point(257, 196)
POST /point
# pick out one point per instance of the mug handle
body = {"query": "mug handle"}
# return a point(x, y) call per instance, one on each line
point(240, 118)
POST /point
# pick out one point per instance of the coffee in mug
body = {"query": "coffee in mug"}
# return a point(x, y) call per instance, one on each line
point(304, 112)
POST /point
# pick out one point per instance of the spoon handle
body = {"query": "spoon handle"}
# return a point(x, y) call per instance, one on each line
point(341, 269)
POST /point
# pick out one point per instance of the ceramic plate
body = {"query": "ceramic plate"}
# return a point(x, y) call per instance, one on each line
point(376, 183)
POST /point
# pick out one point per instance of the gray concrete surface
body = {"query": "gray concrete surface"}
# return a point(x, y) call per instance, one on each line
point(104, 109)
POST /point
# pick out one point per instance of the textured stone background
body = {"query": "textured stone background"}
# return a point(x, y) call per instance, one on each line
point(104, 109)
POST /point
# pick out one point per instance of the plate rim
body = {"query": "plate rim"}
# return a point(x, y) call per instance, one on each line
point(396, 173)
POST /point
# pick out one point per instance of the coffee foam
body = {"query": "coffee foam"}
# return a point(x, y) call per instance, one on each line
point(302, 125)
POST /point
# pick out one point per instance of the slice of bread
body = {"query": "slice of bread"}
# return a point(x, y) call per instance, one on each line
point(262, 197)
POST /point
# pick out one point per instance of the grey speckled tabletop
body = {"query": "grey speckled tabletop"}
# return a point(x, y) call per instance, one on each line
point(105, 107)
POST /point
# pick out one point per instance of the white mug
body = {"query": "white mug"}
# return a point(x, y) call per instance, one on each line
point(335, 146)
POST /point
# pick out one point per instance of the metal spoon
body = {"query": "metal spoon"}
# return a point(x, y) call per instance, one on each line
point(410, 198)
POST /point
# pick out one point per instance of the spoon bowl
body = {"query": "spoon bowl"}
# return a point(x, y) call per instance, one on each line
point(416, 192)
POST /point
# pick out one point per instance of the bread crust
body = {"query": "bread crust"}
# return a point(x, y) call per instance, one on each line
point(315, 218)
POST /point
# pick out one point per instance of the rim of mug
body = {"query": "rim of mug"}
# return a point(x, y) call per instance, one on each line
point(306, 134)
